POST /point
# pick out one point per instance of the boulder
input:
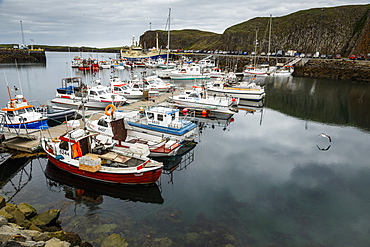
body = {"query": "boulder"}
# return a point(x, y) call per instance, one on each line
point(2, 202)
point(46, 218)
point(114, 240)
point(27, 210)
point(3, 220)
point(8, 233)
point(54, 242)
point(18, 216)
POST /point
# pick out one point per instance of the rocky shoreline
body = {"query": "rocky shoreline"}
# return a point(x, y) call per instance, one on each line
point(334, 69)
point(21, 225)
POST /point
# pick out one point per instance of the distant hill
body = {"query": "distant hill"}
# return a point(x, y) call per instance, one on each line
point(343, 29)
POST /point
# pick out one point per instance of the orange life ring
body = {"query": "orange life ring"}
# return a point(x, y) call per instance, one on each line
point(109, 112)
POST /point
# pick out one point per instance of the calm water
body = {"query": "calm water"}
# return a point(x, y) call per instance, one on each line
point(266, 179)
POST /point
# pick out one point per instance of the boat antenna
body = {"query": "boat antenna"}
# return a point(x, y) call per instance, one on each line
point(19, 79)
point(7, 85)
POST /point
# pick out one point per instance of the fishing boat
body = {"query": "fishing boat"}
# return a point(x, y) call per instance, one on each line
point(136, 52)
point(19, 114)
point(80, 153)
point(200, 99)
point(120, 87)
point(189, 72)
point(242, 90)
point(73, 92)
point(56, 115)
point(163, 121)
point(155, 83)
point(113, 129)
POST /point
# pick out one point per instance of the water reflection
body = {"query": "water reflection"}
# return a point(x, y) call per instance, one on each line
point(16, 173)
point(176, 163)
point(91, 192)
point(326, 101)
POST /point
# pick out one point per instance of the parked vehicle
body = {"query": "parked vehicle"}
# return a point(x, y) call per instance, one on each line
point(352, 57)
point(330, 56)
point(323, 56)
point(361, 57)
point(338, 56)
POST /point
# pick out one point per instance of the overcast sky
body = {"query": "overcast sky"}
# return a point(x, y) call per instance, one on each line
point(108, 23)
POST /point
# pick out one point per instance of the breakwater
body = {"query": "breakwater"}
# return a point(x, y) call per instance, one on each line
point(334, 69)
point(22, 56)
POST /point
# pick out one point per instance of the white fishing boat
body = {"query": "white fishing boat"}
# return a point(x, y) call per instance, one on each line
point(242, 90)
point(200, 99)
point(157, 84)
point(73, 92)
point(19, 114)
point(123, 88)
point(188, 72)
point(113, 129)
point(284, 71)
point(216, 73)
point(258, 70)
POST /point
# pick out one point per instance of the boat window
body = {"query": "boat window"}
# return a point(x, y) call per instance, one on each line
point(103, 123)
point(160, 117)
point(22, 111)
point(11, 113)
point(173, 116)
point(93, 93)
point(150, 115)
point(63, 145)
point(193, 95)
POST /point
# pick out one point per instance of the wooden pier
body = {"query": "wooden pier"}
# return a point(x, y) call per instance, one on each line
point(29, 140)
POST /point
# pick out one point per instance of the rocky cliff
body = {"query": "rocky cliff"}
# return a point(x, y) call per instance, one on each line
point(344, 29)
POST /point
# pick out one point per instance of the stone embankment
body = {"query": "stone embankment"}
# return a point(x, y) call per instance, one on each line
point(21, 225)
point(335, 69)
point(22, 56)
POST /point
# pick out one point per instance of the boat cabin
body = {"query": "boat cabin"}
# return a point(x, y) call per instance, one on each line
point(161, 116)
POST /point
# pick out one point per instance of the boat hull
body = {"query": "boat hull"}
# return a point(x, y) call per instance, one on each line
point(244, 94)
point(70, 103)
point(143, 177)
point(40, 124)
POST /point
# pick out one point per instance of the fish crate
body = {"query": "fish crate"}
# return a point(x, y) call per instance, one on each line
point(90, 163)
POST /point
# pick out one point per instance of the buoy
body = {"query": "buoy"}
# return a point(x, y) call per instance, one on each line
point(231, 119)
point(185, 111)
point(204, 113)
point(109, 109)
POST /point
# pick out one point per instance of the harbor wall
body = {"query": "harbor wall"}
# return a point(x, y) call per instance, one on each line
point(354, 70)
point(22, 56)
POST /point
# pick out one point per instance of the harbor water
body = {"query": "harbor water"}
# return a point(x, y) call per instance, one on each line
point(293, 172)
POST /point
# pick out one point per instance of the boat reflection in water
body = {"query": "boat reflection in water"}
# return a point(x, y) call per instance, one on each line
point(92, 192)
point(15, 174)
point(222, 121)
point(176, 163)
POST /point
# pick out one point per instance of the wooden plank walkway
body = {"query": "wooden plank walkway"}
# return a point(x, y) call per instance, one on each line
point(29, 141)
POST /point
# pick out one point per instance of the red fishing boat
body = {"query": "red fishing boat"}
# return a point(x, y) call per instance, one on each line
point(80, 153)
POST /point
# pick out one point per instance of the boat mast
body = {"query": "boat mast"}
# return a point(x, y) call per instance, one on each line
point(168, 34)
point(255, 51)
point(22, 34)
point(269, 49)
